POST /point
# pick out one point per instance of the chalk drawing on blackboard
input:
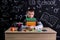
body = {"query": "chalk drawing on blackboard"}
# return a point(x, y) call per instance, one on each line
point(10, 0)
point(53, 19)
point(47, 9)
point(20, 17)
point(45, 2)
point(49, 19)
point(45, 16)
point(28, 7)
point(38, 4)
point(4, 1)
point(5, 15)
point(16, 0)
point(10, 18)
point(34, 8)
point(58, 26)
point(56, 10)
point(32, 2)
point(14, 10)
point(59, 0)
point(52, 7)
point(40, 11)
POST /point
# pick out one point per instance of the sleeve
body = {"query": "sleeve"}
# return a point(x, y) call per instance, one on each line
point(39, 25)
point(38, 21)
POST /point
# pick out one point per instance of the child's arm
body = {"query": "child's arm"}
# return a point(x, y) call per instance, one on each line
point(39, 25)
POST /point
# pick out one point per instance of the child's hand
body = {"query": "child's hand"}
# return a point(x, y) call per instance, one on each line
point(28, 28)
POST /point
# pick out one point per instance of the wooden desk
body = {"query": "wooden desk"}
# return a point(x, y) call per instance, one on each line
point(17, 35)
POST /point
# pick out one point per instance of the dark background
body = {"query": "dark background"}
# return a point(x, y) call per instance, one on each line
point(48, 11)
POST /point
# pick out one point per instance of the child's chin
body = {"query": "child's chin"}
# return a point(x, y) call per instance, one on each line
point(31, 17)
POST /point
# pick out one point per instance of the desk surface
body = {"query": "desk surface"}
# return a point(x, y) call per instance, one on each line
point(49, 30)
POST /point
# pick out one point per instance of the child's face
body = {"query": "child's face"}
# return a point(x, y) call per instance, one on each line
point(30, 14)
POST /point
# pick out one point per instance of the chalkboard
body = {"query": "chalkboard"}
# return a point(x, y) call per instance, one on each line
point(50, 19)
point(57, 27)
point(46, 10)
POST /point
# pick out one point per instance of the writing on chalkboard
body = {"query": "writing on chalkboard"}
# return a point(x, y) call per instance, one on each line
point(58, 26)
point(32, 2)
point(56, 10)
point(15, 9)
point(10, 0)
point(4, 1)
point(49, 19)
point(5, 15)
point(39, 3)
point(59, 0)
point(44, 2)
point(16, 0)
point(45, 16)
point(53, 19)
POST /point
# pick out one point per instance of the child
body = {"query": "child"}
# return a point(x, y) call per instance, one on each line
point(30, 17)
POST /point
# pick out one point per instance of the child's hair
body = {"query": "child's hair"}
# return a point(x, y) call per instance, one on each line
point(31, 10)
